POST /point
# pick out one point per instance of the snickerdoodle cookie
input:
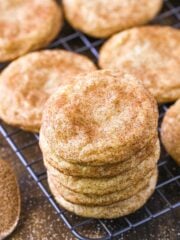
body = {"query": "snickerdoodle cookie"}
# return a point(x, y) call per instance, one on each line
point(27, 83)
point(102, 18)
point(9, 200)
point(153, 53)
point(170, 131)
point(107, 170)
point(27, 25)
point(114, 210)
point(105, 117)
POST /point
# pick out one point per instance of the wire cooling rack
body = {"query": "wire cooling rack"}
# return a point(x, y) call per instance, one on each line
point(25, 146)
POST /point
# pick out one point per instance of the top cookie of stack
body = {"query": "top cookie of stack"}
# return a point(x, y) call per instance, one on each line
point(96, 120)
point(106, 120)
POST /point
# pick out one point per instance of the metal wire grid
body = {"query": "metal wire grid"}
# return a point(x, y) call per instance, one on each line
point(25, 146)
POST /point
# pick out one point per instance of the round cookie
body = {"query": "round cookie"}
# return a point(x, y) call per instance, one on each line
point(114, 210)
point(104, 118)
point(27, 83)
point(101, 186)
point(102, 18)
point(152, 53)
point(9, 200)
point(99, 200)
point(108, 170)
point(27, 26)
point(170, 131)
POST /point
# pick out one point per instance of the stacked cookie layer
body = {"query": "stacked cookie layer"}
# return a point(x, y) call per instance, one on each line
point(100, 146)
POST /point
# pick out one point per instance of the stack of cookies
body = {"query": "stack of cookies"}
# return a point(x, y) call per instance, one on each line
point(100, 145)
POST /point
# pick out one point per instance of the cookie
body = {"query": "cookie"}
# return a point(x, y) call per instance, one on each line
point(9, 200)
point(102, 18)
point(104, 118)
point(152, 53)
point(27, 83)
point(104, 185)
point(99, 200)
point(114, 210)
point(27, 26)
point(170, 131)
point(108, 170)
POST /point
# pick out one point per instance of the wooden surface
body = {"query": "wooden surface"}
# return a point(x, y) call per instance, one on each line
point(40, 222)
